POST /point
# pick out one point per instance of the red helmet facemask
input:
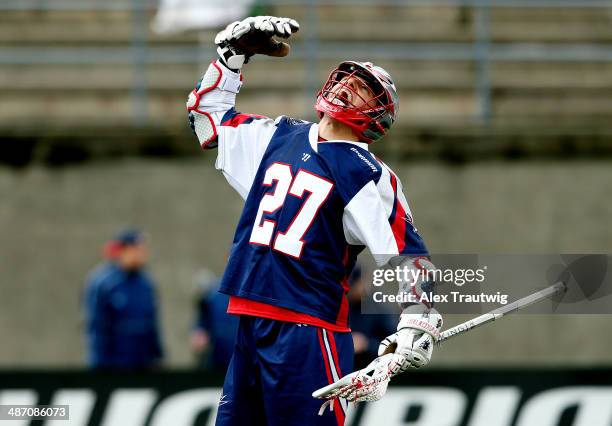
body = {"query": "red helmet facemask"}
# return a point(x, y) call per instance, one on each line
point(343, 97)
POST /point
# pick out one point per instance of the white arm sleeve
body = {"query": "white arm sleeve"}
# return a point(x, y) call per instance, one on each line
point(366, 222)
point(379, 217)
point(390, 188)
point(241, 149)
point(242, 139)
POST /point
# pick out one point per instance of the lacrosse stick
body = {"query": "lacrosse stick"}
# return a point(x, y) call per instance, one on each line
point(370, 383)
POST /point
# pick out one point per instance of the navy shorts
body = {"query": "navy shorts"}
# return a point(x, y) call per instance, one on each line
point(274, 370)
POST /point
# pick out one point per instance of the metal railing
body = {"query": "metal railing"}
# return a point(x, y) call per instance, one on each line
point(481, 50)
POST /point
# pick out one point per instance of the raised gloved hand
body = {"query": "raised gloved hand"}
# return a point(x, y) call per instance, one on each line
point(254, 35)
point(412, 344)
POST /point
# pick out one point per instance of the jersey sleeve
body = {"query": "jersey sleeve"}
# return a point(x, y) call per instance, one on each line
point(405, 233)
point(241, 139)
point(365, 223)
point(378, 217)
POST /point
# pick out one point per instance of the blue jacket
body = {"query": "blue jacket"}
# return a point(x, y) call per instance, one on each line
point(121, 316)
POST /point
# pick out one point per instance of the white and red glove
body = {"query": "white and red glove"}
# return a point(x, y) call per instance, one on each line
point(412, 345)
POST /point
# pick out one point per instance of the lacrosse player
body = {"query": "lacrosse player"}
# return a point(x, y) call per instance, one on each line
point(314, 198)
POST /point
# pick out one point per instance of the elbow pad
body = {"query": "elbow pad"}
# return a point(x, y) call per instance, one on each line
point(199, 109)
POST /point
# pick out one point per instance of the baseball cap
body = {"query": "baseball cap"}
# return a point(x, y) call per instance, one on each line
point(124, 238)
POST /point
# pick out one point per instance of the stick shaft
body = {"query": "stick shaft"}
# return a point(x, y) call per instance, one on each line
point(502, 311)
point(464, 327)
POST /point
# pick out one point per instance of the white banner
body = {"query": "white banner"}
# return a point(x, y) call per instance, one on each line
point(180, 15)
point(439, 406)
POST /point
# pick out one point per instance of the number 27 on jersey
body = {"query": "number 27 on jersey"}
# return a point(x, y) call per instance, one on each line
point(289, 242)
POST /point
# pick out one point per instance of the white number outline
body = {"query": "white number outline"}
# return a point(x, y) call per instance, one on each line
point(259, 227)
point(306, 198)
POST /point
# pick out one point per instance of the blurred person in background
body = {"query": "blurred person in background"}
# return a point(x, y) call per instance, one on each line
point(120, 307)
point(368, 329)
point(214, 331)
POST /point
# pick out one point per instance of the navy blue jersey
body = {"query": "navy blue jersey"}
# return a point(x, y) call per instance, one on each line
point(310, 207)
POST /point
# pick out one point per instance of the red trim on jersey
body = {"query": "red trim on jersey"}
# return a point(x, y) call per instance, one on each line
point(399, 223)
point(325, 359)
point(342, 317)
point(241, 306)
point(338, 412)
point(239, 119)
point(345, 258)
point(334, 351)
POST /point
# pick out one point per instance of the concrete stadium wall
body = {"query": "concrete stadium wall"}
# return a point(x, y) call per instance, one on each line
point(53, 223)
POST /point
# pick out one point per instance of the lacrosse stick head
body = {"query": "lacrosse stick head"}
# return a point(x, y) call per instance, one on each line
point(368, 384)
